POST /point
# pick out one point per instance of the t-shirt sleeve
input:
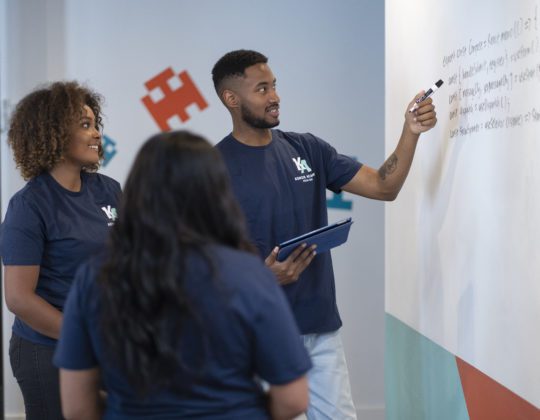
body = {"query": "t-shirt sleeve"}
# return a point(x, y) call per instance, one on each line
point(340, 169)
point(74, 350)
point(280, 355)
point(23, 234)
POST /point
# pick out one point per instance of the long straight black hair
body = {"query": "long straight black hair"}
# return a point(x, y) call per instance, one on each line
point(177, 200)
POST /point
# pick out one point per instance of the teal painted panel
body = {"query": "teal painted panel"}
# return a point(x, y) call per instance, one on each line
point(421, 378)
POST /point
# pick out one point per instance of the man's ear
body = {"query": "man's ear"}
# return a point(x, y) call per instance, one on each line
point(230, 99)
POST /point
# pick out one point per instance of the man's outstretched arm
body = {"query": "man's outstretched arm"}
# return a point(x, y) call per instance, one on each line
point(386, 182)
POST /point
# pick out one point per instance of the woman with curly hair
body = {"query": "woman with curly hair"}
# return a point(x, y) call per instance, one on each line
point(56, 221)
point(179, 315)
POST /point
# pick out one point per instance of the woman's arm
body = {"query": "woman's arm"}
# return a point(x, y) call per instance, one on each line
point(20, 283)
point(79, 390)
point(289, 400)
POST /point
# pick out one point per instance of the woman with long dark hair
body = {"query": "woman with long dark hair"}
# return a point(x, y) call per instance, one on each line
point(178, 318)
point(61, 216)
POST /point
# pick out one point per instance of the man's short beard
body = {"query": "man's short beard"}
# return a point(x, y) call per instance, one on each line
point(253, 121)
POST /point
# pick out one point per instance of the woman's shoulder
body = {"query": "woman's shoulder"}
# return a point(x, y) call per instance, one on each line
point(97, 177)
point(242, 269)
point(102, 182)
point(34, 191)
point(232, 256)
point(87, 273)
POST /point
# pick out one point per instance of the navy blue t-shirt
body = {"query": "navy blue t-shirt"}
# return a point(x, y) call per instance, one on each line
point(57, 229)
point(249, 331)
point(282, 190)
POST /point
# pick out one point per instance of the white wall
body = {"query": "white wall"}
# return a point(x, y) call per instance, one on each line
point(328, 59)
point(464, 271)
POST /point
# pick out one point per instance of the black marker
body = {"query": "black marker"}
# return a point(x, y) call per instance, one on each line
point(426, 95)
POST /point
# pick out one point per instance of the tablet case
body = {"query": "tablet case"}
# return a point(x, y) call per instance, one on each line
point(325, 238)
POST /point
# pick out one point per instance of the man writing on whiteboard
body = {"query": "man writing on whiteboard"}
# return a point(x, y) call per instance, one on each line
point(280, 179)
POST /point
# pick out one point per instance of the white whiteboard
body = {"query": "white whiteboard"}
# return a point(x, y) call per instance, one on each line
point(463, 237)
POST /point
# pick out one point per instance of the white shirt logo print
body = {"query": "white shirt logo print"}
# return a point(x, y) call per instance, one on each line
point(301, 165)
point(110, 212)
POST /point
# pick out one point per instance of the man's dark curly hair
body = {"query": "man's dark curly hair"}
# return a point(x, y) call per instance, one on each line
point(233, 64)
point(42, 125)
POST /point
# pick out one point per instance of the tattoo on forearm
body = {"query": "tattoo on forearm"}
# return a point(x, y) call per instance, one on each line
point(388, 167)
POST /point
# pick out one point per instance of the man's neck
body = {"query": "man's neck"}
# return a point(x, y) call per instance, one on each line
point(252, 136)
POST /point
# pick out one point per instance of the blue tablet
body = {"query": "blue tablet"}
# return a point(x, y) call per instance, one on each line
point(325, 238)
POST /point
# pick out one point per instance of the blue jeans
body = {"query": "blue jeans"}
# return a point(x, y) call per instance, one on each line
point(329, 388)
point(32, 366)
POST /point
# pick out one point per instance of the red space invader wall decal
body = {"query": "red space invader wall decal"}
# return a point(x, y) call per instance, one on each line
point(174, 102)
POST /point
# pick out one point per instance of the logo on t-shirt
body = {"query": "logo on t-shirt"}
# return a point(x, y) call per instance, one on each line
point(111, 214)
point(302, 166)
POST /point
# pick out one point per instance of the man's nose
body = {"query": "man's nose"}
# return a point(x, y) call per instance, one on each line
point(275, 97)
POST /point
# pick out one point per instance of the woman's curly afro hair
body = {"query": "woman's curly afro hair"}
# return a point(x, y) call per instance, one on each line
point(42, 125)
